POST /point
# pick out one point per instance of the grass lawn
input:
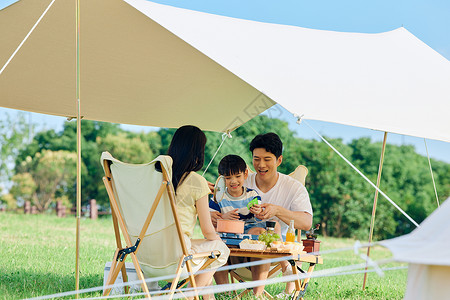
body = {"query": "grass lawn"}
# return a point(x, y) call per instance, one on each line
point(38, 258)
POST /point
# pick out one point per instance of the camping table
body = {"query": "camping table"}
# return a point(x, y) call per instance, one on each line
point(297, 256)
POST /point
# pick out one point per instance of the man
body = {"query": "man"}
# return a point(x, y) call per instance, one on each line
point(283, 198)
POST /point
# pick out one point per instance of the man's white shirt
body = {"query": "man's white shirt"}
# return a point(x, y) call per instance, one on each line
point(287, 192)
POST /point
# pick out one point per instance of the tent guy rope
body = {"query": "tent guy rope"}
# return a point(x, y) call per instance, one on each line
point(363, 176)
point(321, 273)
point(224, 137)
point(431, 171)
point(341, 271)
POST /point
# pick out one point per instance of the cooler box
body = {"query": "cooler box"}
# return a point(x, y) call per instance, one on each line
point(132, 276)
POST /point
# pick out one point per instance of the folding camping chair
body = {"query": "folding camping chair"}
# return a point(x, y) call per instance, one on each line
point(143, 207)
point(244, 274)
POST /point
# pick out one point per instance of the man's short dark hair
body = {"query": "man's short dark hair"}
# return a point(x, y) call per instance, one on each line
point(269, 141)
point(231, 165)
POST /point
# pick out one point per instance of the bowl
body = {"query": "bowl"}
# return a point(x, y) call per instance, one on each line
point(230, 226)
point(276, 245)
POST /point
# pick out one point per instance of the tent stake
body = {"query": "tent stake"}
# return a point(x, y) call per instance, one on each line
point(374, 209)
point(77, 250)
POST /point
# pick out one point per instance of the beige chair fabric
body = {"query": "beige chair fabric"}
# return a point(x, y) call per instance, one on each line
point(135, 188)
point(300, 174)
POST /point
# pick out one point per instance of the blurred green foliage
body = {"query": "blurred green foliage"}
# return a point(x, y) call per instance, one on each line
point(341, 199)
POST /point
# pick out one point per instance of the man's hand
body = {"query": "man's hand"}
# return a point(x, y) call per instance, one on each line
point(214, 216)
point(256, 209)
point(231, 215)
point(268, 211)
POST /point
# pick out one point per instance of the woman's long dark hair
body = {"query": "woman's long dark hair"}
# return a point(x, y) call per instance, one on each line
point(187, 150)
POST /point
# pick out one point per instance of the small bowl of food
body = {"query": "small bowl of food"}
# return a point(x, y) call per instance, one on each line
point(292, 246)
point(288, 245)
point(230, 226)
point(276, 245)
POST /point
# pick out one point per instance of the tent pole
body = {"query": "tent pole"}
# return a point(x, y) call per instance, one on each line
point(431, 171)
point(374, 209)
point(77, 250)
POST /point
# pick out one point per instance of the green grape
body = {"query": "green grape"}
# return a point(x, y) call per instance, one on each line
point(268, 237)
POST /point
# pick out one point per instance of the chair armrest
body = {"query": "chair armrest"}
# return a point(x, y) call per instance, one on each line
point(205, 254)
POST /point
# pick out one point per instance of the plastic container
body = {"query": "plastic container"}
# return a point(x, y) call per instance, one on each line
point(252, 245)
point(290, 235)
point(230, 226)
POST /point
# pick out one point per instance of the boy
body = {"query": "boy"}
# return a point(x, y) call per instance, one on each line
point(233, 206)
point(235, 203)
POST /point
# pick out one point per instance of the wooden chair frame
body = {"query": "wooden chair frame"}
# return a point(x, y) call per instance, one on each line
point(121, 253)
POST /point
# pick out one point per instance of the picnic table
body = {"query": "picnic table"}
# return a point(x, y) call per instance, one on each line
point(295, 257)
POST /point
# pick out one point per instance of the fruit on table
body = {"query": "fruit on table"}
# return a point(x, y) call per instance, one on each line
point(268, 237)
point(253, 202)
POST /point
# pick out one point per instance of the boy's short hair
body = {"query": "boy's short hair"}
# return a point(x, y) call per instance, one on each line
point(231, 164)
point(269, 141)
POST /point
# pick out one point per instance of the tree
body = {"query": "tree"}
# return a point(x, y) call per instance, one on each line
point(124, 148)
point(24, 187)
point(66, 140)
point(342, 201)
point(8, 200)
point(240, 142)
point(47, 176)
point(14, 133)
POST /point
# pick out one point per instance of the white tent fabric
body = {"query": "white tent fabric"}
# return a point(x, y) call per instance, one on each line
point(427, 282)
point(427, 250)
point(164, 66)
point(428, 244)
point(390, 81)
point(217, 72)
point(133, 71)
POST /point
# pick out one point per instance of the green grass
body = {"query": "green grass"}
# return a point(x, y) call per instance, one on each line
point(38, 258)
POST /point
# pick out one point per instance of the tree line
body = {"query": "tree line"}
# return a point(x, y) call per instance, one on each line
point(43, 171)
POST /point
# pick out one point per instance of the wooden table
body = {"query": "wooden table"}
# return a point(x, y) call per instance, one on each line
point(296, 257)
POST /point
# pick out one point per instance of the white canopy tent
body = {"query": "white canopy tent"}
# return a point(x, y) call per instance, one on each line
point(139, 66)
point(389, 81)
point(426, 249)
point(149, 64)
point(132, 70)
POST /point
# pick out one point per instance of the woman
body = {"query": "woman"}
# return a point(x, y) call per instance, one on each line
point(187, 151)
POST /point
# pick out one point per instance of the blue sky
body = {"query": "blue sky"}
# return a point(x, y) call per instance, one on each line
point(427, 20)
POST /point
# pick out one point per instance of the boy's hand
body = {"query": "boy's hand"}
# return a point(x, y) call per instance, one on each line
point(231, 215)
point(255, 209)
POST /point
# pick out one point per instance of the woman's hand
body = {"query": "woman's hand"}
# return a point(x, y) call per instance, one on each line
point(211, 186)
point(211, 236)
point(215, 215)
point(204, 216)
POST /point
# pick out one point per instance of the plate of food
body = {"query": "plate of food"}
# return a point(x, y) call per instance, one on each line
point(252, 245)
